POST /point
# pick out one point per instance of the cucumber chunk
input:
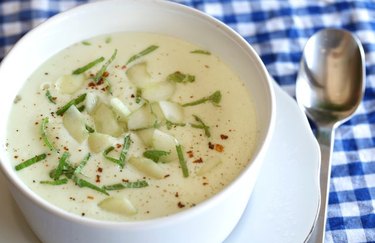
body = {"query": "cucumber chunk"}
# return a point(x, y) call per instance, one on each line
point(118, 205)
point(69, 84)
point(147, 166)
point(158, 91)
point(146, 136)
point(172, 111)
point(165, 142)
point(106, 122)
point(74, 123)
point(98, 142)
point(141, 118)
point(91, 102)
point(138, 75)
point(120, 109)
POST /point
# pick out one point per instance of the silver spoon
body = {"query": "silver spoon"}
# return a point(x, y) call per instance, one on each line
point(329, 88)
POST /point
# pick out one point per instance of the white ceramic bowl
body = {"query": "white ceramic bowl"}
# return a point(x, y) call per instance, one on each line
point(210, 221)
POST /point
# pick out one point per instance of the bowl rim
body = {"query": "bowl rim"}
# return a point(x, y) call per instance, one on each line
point(188, 213)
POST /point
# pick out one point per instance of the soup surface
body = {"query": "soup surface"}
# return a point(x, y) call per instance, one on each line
point(131, 126)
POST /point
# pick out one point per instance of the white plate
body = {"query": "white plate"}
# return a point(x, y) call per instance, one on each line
point(285, 199)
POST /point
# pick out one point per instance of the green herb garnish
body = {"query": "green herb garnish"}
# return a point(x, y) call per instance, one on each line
point(55, 182)
point(108, 40)
point(170, 124)
point(31, 161)
point(182, 161)
point(204, 52)
point(124, 185)
point(215, 99)
point(49, 97)
point(125, 148)
point(179, 77)
point(138, 96)
point(88, 66)
point(201, 125)
point(43, 132)
point(89, 129)
point(60, 167)
point(81, 108)
point(82, 164)
point(100, 74)
point(75, 101)
point(155, 154)
point(142, 53)
point(86, 43)
point(83, 183)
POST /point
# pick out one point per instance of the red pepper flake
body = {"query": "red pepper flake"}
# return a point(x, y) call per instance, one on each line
point(132, 96)
point(97, 178)
point(205, 183)
point(123, 67)
point(190, 154)
point(90, 197)
point(180, 205)
point(211, 145)
point(66, 148)
point(36, 123)
point(223, 136)
point(166, 176)
point(125, 180)
point(200, 160)
point(15, 156)
point(105, 74)
point(100, 169)
point(219, 148)
point(176, 194)
point(118, 145)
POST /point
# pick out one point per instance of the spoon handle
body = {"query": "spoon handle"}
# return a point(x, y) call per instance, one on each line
point(325, 137)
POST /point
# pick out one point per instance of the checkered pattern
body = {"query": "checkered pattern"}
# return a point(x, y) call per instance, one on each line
point(278, 31)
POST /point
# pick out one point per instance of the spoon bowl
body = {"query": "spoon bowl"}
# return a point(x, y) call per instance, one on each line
point(329, 88)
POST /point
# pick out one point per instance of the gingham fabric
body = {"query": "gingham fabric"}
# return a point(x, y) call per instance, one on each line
point(278, 31)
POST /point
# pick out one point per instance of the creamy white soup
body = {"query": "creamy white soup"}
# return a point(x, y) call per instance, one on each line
point(131, 126)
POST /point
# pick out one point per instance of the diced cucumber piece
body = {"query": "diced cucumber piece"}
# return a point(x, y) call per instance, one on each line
point(146, 136)
point(120, 109)
point(165, 142)
point(141, 118)
point(209, 166)
point(106, 122)
point(172, 111)
point(156, 111)
point(68, 84)
point(158, 91)
point(74, 123)
point(91, 101)
point(138, 75)
point(98, 142)
point(147, 166)
point(118, 205)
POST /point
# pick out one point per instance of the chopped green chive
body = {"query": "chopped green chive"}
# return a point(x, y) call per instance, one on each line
point(86, 43)
point(179, 77)
point(81, 108)
point(204, 52)
point(155, 154)
point(215, 99)
point(182, 161)
point(124, 185)
point(89, 129)
point(123, 153)
point(82, 164)
point(75, 101)
point(43, 132)
point(201, 125)
point(138, 96)
point(142, 53)
point(84, 183)
point(100, 74)
point(60, 167)
point(56, 182)
point(170, 124)
point(88, 66)
point(31, 161)
point(108, 40)
point(49, 97)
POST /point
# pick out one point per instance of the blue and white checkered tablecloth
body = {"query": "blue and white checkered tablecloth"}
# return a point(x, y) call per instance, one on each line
point(278, 31)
